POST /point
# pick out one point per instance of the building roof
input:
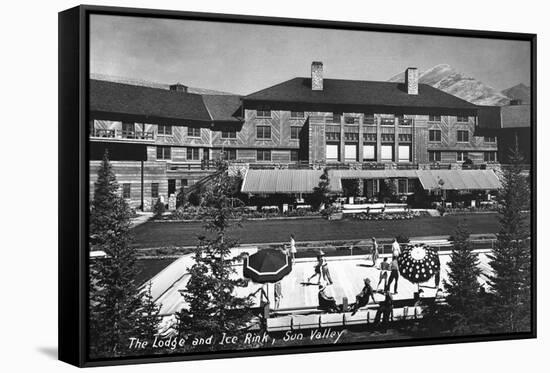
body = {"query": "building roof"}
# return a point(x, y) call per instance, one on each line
point(515, 116)
point(223, 108)
point(357, 92)
point(303, 181)
point(134, 100)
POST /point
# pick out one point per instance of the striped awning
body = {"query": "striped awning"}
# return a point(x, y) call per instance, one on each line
point(303, 181)
point(458, 179)
point(280, 181)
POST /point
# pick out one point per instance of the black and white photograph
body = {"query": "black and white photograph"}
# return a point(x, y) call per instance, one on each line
point(262, 187)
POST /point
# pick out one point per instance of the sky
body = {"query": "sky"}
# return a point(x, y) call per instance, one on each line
point(243, 59)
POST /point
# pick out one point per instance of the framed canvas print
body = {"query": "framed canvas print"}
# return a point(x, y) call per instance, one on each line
point(234, 186)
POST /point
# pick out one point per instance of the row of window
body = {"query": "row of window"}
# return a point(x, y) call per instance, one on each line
point(165, 153)
point(369, 153)
point(461, 136)
point(127, 188)
point(461, 156)
point(193, 154)
point(368, 117)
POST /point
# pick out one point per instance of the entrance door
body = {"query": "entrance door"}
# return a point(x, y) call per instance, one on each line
point(171, 187)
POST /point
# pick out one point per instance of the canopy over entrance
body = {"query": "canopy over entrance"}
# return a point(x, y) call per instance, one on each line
point(303, 181)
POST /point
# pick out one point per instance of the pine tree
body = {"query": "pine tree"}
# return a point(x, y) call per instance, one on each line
point(212, 306)
point(150, 319)
point(464, 308)
point(320, 192)
point(115, 298)
point(511, 258)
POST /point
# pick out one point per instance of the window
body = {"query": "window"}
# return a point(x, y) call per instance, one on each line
point(405, 137)
point(263, 155)
point(294, 157)
point(462, 118)
point(369, 137)
point(351, 136)
point(164, 130)
point(295, 132)
point(333, 151)
point(263, 113)
point(490, 139)
point(490, 156)
point(128, 130)
point(349, 120)
point(297, 114)
point(193, 132)
point(229, 133)
point(184, 183)
point(154, 190)
point(435, 135)
point(405, 121)
point(336, 117)
point(434, 156)
point(371, 187)
point(126, 187)
point(369, 119)
point(462, 136)
point(434, 118)
point(263, 132)
point(386, 153)
point(164, 152)
point(230, 154)
point(387, 121)
point(402, 186)
point(461, 156)
point(193, 154)
point(333, 136)
point(404, 153)
point(369, 152)
point(350, 153)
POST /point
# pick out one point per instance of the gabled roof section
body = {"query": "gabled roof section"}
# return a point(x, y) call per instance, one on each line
point(127, 99)
point(223, 108)
point(359, 92)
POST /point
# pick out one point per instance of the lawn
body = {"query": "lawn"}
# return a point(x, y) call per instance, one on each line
point(163, 234)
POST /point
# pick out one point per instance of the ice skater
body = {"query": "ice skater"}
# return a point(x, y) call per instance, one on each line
point(293, 248)
point(362, 299)
point(375, 253)
point(384, 270)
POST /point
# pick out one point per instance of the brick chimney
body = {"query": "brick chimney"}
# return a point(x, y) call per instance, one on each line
point(411, 80)
point(179, 87)
point(316, 76)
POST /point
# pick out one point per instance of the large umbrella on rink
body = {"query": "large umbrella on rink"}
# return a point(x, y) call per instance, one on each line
point(418, 264)
point(268, 265)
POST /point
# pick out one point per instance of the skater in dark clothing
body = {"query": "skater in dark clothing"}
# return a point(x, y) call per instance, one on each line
point(385, 309)
point(326, 302)
point(384, 270)
point(363, 297)
point(394, 275)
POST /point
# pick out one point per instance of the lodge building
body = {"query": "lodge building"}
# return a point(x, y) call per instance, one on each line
point(160, 140)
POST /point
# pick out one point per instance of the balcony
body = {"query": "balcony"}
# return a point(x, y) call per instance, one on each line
point(114, 134)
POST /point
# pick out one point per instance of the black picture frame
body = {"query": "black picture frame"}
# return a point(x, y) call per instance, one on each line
point(74, 179)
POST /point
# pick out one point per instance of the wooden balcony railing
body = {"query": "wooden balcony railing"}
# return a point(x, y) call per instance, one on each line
point(119, 134)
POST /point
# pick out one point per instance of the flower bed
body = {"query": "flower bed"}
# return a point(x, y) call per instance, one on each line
point(387, 216)
point(193, 213)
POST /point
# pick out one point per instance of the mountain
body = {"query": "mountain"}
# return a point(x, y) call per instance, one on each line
point(145, 83)
point(449, 80)
point(519, 92)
